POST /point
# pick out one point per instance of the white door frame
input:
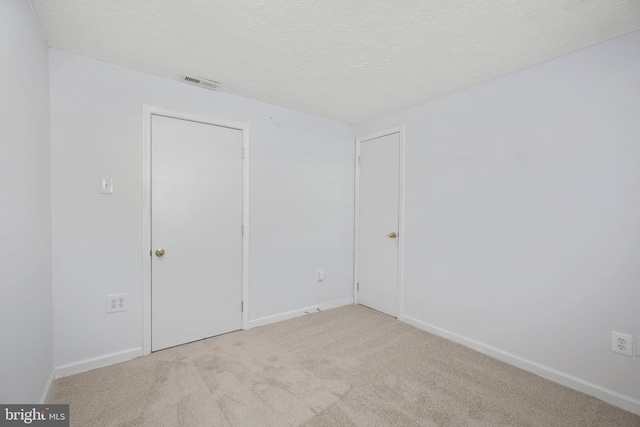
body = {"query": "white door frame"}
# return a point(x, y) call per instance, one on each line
point(401, 131)
point(147, 112)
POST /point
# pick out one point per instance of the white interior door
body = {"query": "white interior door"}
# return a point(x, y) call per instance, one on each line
point(378, 208)
point(196, 235)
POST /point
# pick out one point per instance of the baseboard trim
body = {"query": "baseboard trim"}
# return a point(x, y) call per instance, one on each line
point(97, 362)
point(123, 356)
point(47, 387)
point(335, 304)
point(300, 312)
point(617, 399)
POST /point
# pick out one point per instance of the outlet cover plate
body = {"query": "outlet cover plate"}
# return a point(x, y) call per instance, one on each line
point(117, 302)
point(622, 343)
point(106, 185)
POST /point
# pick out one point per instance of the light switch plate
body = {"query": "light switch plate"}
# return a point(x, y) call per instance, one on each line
point(106, 185)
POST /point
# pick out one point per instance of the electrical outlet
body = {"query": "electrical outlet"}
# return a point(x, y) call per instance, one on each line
point(622, 343)
point(320, 275)
point(117, 303)
point(106, 185)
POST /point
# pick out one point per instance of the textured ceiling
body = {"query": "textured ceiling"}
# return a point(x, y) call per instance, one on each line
point(350, 60)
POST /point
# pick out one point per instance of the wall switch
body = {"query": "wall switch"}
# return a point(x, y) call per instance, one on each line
point(320, 275)
point(106, 185)
point(622, 343)
point(117, 303)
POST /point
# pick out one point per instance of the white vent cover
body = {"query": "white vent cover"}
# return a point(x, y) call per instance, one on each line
point(197, 81)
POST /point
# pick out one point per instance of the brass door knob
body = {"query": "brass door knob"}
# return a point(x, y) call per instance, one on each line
point(393, 235)
point(159, 252)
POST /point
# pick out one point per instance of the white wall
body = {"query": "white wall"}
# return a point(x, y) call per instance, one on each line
point(522, 232)
point(25, 233)
point(301, 201)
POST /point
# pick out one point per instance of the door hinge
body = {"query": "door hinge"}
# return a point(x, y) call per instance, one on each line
point(242, 307)
point(243, 153)
point(358, 286)
point(358, 159)
point(242, 230)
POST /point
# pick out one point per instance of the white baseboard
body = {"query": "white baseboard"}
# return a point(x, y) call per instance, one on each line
point(97, 362)
point(47, 388)
point(335, 304)
point(300, 312)
point(123, 356)
point(617, 399)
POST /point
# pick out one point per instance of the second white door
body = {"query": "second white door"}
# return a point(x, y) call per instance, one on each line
point(378, 233)
point(196, 229)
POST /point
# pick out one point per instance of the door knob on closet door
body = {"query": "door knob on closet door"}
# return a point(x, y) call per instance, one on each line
point(159, 252)
point(393, 235)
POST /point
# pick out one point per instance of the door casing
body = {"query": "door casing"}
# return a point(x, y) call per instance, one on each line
point(147, 112)
point(401, 131)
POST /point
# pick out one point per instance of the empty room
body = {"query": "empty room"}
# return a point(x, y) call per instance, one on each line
point(305, 213)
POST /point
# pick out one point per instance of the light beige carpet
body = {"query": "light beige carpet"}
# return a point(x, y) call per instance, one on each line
point(349, 366)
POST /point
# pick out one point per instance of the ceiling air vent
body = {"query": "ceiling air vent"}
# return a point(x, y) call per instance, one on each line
point(197, 81)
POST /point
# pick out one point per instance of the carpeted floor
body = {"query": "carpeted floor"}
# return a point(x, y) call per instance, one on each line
point(350, 366)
